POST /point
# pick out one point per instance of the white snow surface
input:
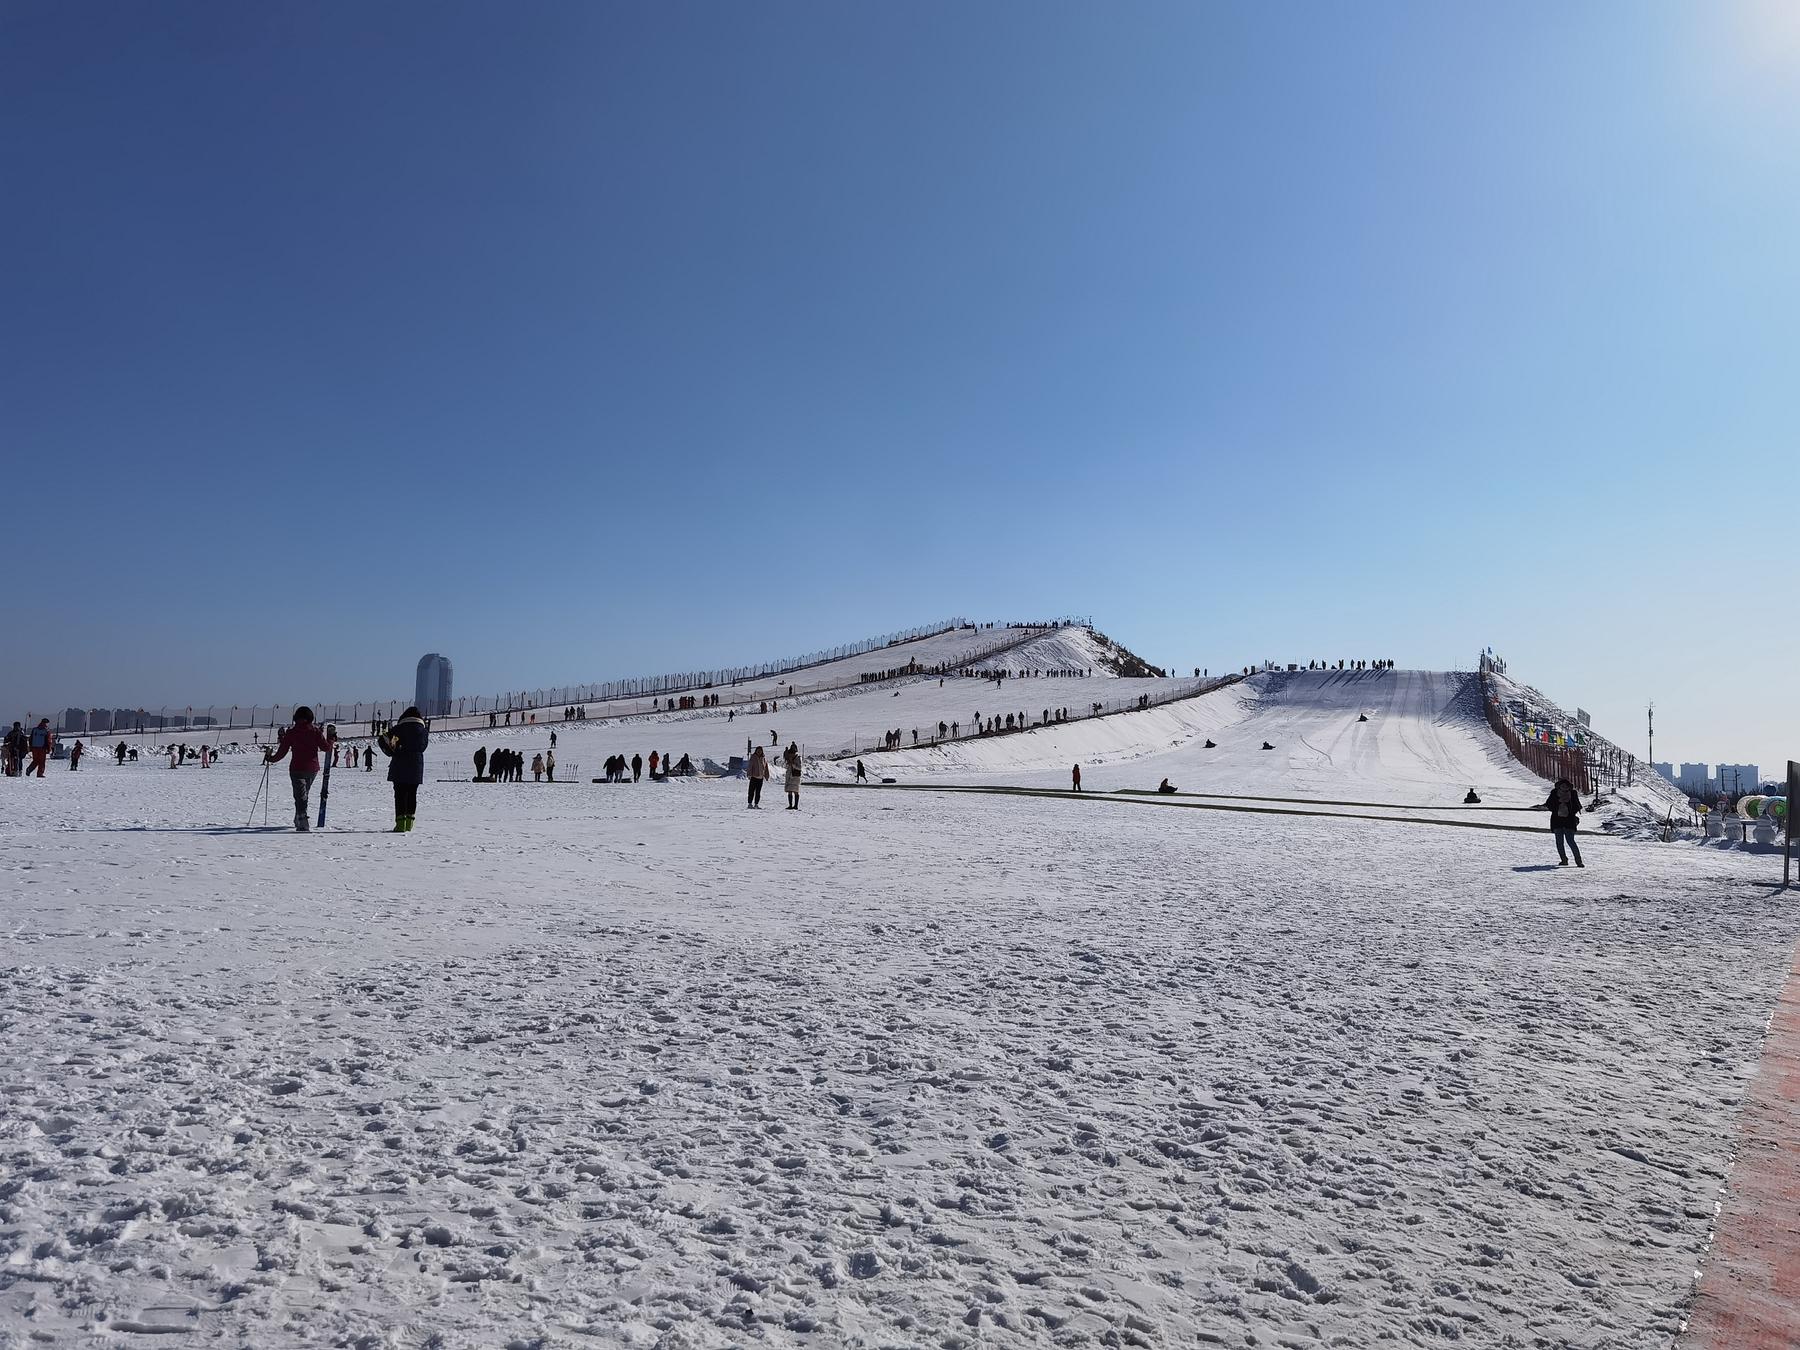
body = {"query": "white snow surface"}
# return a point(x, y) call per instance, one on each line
point(631, 1065)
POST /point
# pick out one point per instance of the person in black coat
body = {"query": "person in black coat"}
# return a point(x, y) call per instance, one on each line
point(404, 743)
point(1565, 814)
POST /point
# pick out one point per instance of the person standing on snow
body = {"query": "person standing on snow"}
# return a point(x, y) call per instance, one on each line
point(862, 774)
point(303, 740)
point(1075, 777)
point(43, 740)
point(537, 768)
point(791, 758)
point(75, 753)
point(480, 763)
point(405, 743)
point(120, 752)
point(368, 759)
point(637, 767)
point(1565, 814)
point(550, 763)
point(759, 774)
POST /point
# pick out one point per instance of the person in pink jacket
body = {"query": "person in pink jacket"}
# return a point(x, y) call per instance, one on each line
point(304, 742)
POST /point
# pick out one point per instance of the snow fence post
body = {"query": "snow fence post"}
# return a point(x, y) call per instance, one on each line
point(1787, 847)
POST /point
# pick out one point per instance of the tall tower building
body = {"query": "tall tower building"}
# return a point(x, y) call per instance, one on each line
point(431, 690)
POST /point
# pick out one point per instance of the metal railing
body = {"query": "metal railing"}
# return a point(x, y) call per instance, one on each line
point(633, 695)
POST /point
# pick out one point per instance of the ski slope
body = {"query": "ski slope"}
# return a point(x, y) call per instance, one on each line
point(1425, 743)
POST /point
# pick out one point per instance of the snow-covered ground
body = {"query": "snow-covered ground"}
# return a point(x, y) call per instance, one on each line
point(630, 1065)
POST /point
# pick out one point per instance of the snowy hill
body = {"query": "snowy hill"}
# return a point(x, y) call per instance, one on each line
point(1640, 804)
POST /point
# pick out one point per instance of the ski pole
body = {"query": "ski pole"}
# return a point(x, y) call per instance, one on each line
point(264, 787)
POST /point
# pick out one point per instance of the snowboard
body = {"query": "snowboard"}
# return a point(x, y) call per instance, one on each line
point(325, 781)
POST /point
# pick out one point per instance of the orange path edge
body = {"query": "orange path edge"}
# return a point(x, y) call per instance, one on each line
point(1748, 1297)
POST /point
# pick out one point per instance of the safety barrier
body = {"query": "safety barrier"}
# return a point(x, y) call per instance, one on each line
point(1545, 761)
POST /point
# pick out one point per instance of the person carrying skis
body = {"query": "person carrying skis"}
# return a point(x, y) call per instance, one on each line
point(759, 774)
point(1565, 814)
point(303, 740)
point(404, 744)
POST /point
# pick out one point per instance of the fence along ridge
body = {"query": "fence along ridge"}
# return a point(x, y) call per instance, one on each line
point(249, 717)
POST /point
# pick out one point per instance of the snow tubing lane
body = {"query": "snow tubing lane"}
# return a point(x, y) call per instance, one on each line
point(1749, 1289)
point(1319, 801)
point(1063, 794)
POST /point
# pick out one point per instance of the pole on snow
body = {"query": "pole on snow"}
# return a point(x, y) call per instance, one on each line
point(262, 794)
point(1793, 796)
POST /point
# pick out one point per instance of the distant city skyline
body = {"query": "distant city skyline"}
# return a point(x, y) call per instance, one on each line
point(588, 341)
point(1700, 778)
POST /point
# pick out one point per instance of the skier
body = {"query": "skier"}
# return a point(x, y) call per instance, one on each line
point(303, 740)
point(75, 753)
point(42, 741)
point(637, 767)
point(1075, 785)
point(1565, 812)
point(480, 763)
point(791, 758)
point(405, 744)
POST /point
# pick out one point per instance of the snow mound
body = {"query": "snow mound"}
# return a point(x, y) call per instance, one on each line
point(1075, 648)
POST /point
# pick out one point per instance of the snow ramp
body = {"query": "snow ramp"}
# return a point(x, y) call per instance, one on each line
point(1404, 736)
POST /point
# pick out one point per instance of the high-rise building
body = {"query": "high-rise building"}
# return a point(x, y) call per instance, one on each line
point(1694, 777)
point(99, 720)
point(431, 689)
point(74, 721)
point(1667, 771)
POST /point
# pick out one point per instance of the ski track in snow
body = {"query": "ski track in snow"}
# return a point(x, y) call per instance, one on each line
point(634, 1066)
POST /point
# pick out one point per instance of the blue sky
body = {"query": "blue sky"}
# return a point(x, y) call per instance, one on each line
point(578, 340)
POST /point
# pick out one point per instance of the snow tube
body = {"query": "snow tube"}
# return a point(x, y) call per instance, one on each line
point(1752, 806)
